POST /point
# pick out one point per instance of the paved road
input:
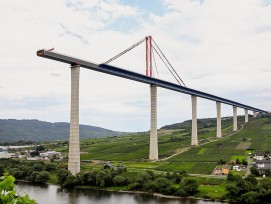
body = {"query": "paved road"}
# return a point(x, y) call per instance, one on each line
point(248, 166)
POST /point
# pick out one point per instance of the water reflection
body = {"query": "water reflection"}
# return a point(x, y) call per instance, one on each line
point(55, 195)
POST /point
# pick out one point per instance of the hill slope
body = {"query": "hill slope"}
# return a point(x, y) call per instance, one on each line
point(132, 150)
point(35, 130)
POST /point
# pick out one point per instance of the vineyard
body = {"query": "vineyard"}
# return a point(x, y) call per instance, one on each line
point(132, 150)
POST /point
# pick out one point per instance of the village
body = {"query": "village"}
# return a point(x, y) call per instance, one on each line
point(29, 153)
point(260, 163)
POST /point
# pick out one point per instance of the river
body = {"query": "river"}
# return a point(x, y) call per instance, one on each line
point(52, 194)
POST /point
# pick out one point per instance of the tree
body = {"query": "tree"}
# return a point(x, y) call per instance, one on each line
point(104, 178)
point(50, 167)
point(250, 197)
point(38, 167)
point(265, 183)
point(8, 194)
point(42, 177)
point(69, 181)
point(34, 153)
point(61, 175)
point(230, 177)
point(233, 191)
point(244, 162)
point(2, 169)
point(188, 186)
point(221, 161)
point(251, 179)
point(40, 148)
point(237, 161)
point(119, 180)
point(254, 171)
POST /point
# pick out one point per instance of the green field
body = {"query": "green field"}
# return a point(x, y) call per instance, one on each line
point(132, 150)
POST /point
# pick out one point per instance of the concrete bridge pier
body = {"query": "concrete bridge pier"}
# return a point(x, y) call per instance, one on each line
point(153, 154)
point(234, 118)
point(255, 114)
point(194, 139)
point(218, 120)
point(74, 148)
point(246, 116)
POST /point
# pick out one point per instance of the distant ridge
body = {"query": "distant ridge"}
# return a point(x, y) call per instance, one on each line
point(37, 131)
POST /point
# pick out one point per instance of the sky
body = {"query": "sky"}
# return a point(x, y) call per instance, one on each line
point(222, 47)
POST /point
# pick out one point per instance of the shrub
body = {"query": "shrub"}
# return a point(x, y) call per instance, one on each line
point(119, 180)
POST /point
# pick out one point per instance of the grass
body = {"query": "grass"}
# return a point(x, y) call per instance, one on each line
point(240, 157)
point(133, 150)
point(211, 191)
point(202, 150)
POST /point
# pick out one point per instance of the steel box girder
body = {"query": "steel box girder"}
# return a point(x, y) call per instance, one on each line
point(140, 78)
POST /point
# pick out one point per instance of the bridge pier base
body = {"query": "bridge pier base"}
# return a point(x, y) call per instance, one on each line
point(194, 139)
point(74, 145)
point(246, 116)
point(153, 154)
point(234, 118)
point(218, 120)
point(254, 114)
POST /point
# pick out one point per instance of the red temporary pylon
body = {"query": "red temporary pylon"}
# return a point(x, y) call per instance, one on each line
point(149, 56)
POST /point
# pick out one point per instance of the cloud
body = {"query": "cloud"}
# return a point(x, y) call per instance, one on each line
point(55, 74)
point(217, 47)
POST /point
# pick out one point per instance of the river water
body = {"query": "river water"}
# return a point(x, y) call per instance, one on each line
point(51, 194)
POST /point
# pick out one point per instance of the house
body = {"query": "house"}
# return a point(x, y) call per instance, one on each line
point(219, 171)
point(237, 168)
point(6, 155)
point(262, 165)
point(107, 165)
point(50, 154)
point(33, 158)
point(259, 156)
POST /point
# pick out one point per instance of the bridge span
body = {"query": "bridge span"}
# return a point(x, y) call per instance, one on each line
point(74, 151)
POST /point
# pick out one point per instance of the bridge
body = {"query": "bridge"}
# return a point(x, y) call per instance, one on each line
point(75, 63)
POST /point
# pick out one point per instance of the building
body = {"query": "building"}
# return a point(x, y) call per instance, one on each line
point(237, 168)
point(262, 165)
point(50, 154)
point(219, 171)
point(6, 155)
point(259, 156)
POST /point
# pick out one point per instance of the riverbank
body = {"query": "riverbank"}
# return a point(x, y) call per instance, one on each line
point(149, 193)
point(123, 189)
point(54, 194)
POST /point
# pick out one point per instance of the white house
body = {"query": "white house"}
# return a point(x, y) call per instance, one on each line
point(237, 168)
point(259, 156)
point(7, 155)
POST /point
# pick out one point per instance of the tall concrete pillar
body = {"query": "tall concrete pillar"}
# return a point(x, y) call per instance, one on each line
point(74, 148)
point(246, 116)
point(254, 114)
point(194, 139)
point(218, 120)
point(153, 154)
point(234, 118)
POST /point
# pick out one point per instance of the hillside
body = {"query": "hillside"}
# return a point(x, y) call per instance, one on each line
point(35, 130)
point(132, 150)
point(202, 123)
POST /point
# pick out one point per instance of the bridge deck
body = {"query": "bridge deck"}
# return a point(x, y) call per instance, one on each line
point(140, 78)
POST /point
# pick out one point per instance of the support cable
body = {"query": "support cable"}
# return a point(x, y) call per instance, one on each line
point(167, 66)
point(125, 51)
point(169, 63)
point(155, 65)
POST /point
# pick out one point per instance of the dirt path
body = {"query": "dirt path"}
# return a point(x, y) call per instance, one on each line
point(217, 139)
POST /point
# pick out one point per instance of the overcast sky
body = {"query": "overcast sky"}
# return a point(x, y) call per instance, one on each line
point(222, 47)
